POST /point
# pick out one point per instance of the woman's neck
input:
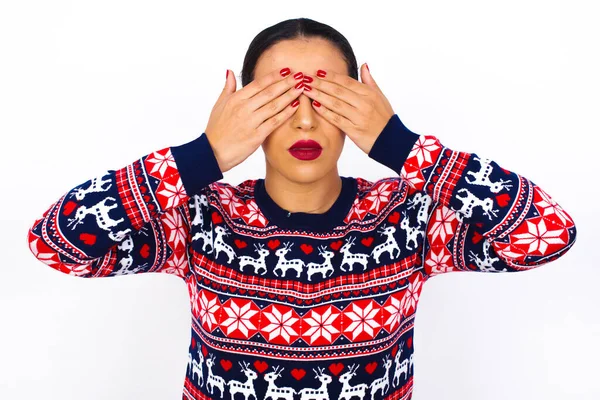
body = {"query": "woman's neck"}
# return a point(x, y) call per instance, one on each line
point(310, 197)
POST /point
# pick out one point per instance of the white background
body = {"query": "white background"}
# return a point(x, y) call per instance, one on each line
point(87, 86)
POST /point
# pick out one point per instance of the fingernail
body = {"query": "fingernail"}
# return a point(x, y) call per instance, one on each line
point(298, 75)
point(295, 103)
point(285, 71)
point(227, 74)
point(321, 73)
point(368, 67)
point(316, 103)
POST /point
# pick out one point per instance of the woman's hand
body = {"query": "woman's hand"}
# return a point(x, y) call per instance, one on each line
point(360, 110)
point(240, 121)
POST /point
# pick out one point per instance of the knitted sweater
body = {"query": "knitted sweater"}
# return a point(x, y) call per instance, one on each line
point(300, 306)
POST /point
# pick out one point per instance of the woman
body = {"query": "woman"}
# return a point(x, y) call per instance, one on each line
point(303, 284)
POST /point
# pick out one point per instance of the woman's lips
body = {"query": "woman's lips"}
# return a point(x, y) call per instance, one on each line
point(306, 149)
point(305, 153)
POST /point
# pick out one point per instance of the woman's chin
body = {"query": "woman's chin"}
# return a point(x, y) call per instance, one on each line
point(306, 173)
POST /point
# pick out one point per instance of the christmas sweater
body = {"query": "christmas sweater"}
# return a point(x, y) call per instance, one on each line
point(300, 306)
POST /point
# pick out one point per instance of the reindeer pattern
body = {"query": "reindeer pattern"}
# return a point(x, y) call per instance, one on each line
point(287, 261)
point(263, 384)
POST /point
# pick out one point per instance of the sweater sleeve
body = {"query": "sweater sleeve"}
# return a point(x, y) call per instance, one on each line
point(483, 217)
point(131, 220)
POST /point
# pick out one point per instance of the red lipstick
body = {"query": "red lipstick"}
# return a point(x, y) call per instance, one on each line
point(306, 150)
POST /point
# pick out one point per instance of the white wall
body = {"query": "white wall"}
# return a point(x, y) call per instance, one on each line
point(89, 85)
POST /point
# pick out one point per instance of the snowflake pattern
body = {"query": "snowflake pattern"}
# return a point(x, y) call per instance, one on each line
point(280, 324)
point(230, 201)
point(357, 211)
point(160, 162)
point(208, 308)
point(254, 215)
point(443, 224)
point(411, 296)
point(549, 207)
point(364, 320)
point(378, 197)
point(414, 177)
point(172, 194)
point(422, 150)
point(538, 236)
point(177, 234)
point(240, 318)
point(323, 325)
point(437, 263)
point(177, 264)
point(393, 307)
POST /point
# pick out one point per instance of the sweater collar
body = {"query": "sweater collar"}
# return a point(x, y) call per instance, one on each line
point(307, 221)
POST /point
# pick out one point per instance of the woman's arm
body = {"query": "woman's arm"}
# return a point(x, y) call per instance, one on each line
point(484, 217)
point(131, 220)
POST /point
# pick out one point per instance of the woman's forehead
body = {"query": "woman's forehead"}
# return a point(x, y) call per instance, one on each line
point(301, 56)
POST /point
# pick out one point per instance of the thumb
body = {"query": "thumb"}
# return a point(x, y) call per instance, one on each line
point(366, 77)
point(230, 83)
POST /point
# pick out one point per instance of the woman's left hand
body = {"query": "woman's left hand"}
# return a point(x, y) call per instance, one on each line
point(360, 110)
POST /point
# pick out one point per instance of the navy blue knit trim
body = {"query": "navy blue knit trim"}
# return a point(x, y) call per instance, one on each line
point(393, 145)
point(323, 222)
point(197, 164)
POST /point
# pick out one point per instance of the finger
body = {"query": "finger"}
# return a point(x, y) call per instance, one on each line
point(275, 91)
point(276, 105)
point(367, 78)
point(258, 85)
point(343, 123)
point(334, 104)
point(228, 89)
point(340, 85)
point(276, 121)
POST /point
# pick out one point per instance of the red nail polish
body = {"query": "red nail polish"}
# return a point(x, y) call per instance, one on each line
point(227, 74)
point(298, 75)
point(285, 71)
point(299, 85)
point(368, 67)
point(308, 79)
point(316, 103)
point(295, 103)
point(321, 73)
point(307, 88)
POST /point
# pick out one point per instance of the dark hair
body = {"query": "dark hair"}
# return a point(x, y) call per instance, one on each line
point(298, 28)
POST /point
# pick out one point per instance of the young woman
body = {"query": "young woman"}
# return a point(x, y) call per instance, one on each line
point(304, 283)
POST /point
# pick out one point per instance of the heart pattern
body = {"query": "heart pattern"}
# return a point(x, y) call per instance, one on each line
point(216, 218)
point(298, 373)
point(273, 244)
point(261, 366)
point(240, 243)
point(336, 245)
point(367, 241)
point(336, 368)
point(394, 217)
point(476, 237)
point(226, 364)
point(306, 248)
point(145, 251)
point(371, 367)
point(69, 207)
point(88, 238)
point(503, 199)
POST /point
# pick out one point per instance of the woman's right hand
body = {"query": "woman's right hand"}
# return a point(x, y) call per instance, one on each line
point(240, 121)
